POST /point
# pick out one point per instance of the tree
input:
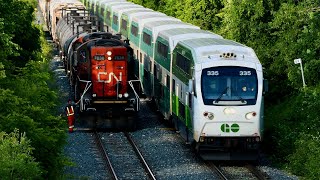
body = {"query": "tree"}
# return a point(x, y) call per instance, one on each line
point(26, 101)
point(17, 17)
point(202, 13)
point(16, 161)
point(30, 106)
point(296, 28)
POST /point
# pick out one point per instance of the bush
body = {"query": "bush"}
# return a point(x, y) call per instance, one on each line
point(16, 161)
point(305, 160)
point(293, 133)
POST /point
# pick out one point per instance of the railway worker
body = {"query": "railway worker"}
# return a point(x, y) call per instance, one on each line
point(70, 115)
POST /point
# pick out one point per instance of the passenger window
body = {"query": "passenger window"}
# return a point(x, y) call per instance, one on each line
point(173, 86)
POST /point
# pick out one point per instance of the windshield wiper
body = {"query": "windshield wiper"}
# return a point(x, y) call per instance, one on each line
point(240, 98)
point(223, 92)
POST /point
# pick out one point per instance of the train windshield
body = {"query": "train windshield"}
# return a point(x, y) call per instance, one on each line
point(229, 85)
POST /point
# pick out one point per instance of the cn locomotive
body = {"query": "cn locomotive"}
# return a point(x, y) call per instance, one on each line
point(97, 63)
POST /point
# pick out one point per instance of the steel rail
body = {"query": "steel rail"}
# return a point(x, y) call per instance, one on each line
point(256, 172)
point(143, 161)
point(105, 155)
point(217, 170)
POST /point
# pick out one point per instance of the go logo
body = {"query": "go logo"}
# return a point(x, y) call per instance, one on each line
point(226, 128)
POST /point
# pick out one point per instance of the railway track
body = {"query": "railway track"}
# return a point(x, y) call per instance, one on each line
point(247, 171)
point(122, 156)
point(105, 155)
point(142, 160)
point(217, 170)
point(258, 173)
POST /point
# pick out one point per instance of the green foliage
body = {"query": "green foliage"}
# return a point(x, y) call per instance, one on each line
point(17, 16)
point(8, 48)
point(202, 13)
point(26, 101)
point(16, 161)
point(305, 160)
point(296, 29)
point(293, 131)
point(30, 106)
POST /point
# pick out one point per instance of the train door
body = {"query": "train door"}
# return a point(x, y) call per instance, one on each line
point(141, 68)
point(147, 78)
point(82, 76)
point(158, 94)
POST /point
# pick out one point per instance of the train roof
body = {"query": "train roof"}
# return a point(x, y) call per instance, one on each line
point(120, 7)
point(104, 1)
point(99, 3)
point(151, 18)
point(59, 4)
point(213, 47)
point(132, 11)
point(108, 4)
point(156, 27)
point(173, 36)
point(179, 31)
point(141, 15)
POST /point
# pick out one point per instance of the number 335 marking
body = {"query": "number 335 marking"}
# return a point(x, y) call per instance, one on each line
point(245, 73)
point(212, 73)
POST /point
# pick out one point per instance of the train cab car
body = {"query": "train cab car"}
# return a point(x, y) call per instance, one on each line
point(223, 109)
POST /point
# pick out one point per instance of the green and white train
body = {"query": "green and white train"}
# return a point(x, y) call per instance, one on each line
point(210, 87)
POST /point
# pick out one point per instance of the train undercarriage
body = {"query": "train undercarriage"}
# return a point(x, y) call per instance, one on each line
point(228, 148)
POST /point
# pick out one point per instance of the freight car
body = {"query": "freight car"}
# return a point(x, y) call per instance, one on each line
point(97, 63)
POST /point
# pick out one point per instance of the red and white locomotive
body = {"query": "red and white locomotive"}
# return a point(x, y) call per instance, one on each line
point(97, 63)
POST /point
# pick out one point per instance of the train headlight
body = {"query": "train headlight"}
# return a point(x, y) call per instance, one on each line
point(94, 95)
point(109, 53)
point(229, 111)
point(126, 95)
point(120, 95)
point(109, 58)
point(250, 115)
point(208, 115)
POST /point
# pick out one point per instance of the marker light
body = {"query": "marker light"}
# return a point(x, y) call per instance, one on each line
point(250, 115)
point(126, 95)
point(208, 115)
point(228, 55)
point(120, 95)
point(109, 53)
point(109, 58)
